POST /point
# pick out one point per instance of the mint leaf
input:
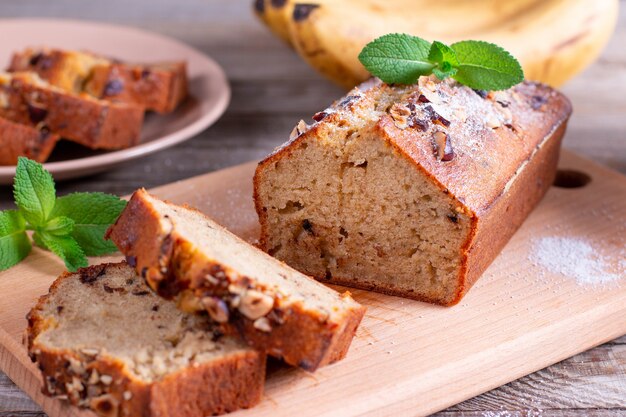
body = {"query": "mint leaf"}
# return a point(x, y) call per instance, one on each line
point(33, 191)
point(59, 226)
point(39, 241)
point(66, 248)
point(14, 243)
point(92, 214)
point(445, 58)
point(485, 66)
point(397, 58)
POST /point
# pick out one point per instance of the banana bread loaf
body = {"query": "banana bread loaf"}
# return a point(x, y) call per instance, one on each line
point(183, 253)
point(97, 124)
point(160, 87)
point(103, 340)
point(20, 140)
point(410, 190)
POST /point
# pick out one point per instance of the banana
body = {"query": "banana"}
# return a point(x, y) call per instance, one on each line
point(553, 39)
point(275, 14)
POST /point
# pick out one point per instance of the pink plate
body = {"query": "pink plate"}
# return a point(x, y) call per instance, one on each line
point(208, 86)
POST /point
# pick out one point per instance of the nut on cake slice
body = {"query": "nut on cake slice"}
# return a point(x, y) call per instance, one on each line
point(104, 341)
point(410, 190)
point(184, 254)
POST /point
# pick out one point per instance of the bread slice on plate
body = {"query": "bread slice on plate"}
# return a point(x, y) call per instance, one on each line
point(410, 190)
point(184, 254)
point(20, 140)
point(97, 124)
point(160, 87)
point(103, 340)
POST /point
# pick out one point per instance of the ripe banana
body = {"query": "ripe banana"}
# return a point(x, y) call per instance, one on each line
point(553, 39)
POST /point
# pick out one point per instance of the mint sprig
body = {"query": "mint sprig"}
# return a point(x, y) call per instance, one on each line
point(401, 58)
point(72, 227)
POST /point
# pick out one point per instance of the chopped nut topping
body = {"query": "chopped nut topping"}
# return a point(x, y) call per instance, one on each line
point(90, 352)
point(106, 379)
point(442, 146)
point(76, 366)
point(262, 324)
point(300, 128)
point(493, 122)
point(127, 395)
point(427, 83)
point(189, 303)
point(255, 304)
point(94, 378)
point(217, 309)
point(400, 115)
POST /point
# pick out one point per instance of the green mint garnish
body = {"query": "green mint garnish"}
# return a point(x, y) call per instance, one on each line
point(397, 58)
point(72, 227)
point(92, 214)
point(33, 191)
point(400, 58)
point(14, 243)
point(485, 66)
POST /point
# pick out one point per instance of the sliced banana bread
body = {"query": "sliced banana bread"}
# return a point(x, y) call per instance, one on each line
point(97, 124)
point(185, 254)
point(20, 140)
point(103, 340)
point(410, 190)
point(68, 70)
point(160, 87)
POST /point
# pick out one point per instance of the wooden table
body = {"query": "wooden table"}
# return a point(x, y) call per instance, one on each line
point(272, 90)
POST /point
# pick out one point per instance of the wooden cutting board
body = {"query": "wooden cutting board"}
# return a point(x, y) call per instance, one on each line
point(410, 358)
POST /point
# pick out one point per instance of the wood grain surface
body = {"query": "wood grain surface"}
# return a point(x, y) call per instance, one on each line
point(272, 90)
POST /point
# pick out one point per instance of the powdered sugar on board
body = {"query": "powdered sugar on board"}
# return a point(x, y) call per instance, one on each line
point(577, 258)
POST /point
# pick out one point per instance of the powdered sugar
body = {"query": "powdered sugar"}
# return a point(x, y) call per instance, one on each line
point(576, 258)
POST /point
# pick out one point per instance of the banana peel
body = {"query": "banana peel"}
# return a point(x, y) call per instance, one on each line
point(553, 39)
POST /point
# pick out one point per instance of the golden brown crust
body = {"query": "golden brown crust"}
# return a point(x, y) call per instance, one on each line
point(300, 337)
point(20, 140)
point(94, 123)
point(496, 185)
point(211, 388)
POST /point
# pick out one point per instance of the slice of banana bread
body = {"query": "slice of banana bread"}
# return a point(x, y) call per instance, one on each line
point(97, 124)
point(68, 70)
point(160, 87)
point(185, 254)
point(103, 340)
point(410, 190)
point(20, 140)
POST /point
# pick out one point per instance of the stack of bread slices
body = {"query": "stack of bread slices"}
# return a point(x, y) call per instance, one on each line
point(183, 326)
point(48, 94)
